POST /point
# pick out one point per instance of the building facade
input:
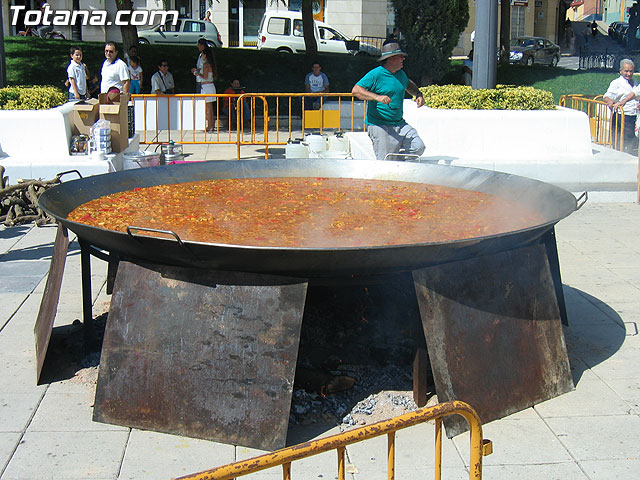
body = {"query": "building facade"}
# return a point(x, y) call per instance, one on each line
point(238, 20)
point(528, 17)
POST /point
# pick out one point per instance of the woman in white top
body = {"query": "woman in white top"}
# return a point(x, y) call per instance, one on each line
point(208, 74)
point(199, 62)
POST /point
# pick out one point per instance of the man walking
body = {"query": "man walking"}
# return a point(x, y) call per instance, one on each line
point(383, 88)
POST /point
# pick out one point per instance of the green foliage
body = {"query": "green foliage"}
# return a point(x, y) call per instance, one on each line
point(559, 81)
point(503, 97)
point(36, 61)
point(37, 97)
point(431, 29)
point(33, 61)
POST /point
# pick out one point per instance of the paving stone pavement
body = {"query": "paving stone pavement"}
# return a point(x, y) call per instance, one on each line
point(47, 432)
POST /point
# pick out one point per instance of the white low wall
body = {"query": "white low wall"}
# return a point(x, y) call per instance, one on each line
point(169, 113)
point(35, 144)
point(483, 135)
point(553, 146)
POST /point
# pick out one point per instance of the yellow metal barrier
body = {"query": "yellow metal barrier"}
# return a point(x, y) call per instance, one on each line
point(284, 125)
point(176, 117)
point(339, 442)
point(262, 118)
point(605, 128)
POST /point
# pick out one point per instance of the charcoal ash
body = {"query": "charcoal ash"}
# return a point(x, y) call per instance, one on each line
point(379, 393)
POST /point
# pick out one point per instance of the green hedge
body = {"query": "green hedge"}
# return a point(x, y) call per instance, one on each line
point(31, 97)
point(503, 97)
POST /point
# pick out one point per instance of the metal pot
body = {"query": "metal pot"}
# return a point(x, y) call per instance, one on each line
point(171, 152)
point(551, 202)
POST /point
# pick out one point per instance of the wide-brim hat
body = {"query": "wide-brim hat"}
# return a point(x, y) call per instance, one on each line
point(390, 50)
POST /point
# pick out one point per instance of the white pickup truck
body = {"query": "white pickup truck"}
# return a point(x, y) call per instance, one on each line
point(282, 31)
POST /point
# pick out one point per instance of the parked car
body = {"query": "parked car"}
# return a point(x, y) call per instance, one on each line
point(617, 33)
point(530, 50)
point(282, 31)
point(622, 35)
point(612, 28)
point(186, 31)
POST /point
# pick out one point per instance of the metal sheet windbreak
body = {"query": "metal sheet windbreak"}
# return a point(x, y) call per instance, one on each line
point(206, 355)
point(493, 333)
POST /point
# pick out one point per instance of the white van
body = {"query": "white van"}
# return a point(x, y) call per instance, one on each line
point(281, 30)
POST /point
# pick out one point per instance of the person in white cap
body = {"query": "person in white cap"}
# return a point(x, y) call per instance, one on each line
point(383, 88)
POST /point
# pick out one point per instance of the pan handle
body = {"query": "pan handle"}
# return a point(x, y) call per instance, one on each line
point(154, 230)
point(403, 156)
point(59, 175)
point(586, 197)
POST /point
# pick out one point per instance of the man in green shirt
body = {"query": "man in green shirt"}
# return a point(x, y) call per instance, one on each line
point(383, 88)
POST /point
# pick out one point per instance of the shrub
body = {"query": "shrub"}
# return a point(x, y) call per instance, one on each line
point(31, 97)
point(503, 97)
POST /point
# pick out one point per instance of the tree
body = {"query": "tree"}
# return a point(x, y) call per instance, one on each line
point(505, 31)
point(431, 29)
point(311, 46)
point(129, 32)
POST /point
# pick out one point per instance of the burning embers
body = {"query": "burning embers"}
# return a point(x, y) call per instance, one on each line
point(378, 393)
point(356, 352)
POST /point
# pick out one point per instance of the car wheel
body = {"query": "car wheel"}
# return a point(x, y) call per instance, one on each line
point(143, 41)
point(529, 61)
point(554, 61)
point(283, 50)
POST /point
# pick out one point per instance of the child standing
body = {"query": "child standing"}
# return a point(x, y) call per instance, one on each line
point(77, 75)
point(135, 72)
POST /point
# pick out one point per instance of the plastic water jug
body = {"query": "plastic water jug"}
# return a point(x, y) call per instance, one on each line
point(337, 143)
point(296, 149)
point(317, 143)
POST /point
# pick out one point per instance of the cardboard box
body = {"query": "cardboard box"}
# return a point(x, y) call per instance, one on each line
point(85, 114)
point(116, 114)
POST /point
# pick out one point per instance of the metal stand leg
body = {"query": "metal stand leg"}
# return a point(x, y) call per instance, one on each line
point(203, 354)
point(420, 369)
point(87, 296)
point(493, 332)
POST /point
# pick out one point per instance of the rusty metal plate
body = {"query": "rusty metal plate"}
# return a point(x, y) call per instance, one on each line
point(51, 296)
point(202, 354)
point(493, 333)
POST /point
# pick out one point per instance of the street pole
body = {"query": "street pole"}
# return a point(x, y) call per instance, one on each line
point(3, 63)
point(485, 45)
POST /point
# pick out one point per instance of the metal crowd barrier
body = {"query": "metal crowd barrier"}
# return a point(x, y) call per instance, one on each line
point(606, 60)
point(606, 129)
point(478, 446)
point(262, 118)
point(369, 45)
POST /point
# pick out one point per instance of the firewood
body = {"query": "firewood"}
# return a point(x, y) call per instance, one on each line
point(19, 203)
